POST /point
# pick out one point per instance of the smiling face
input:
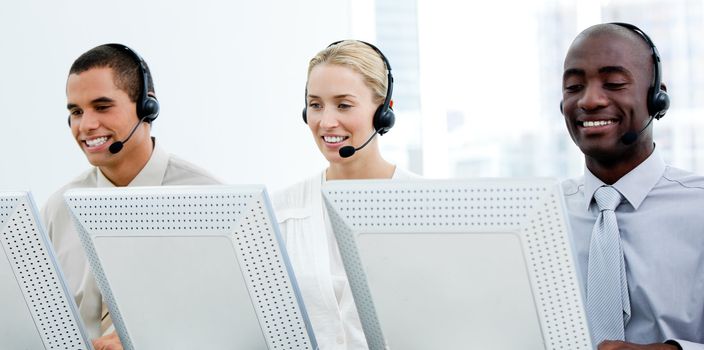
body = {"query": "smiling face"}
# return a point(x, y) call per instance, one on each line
point(605, 85)
point(340, 109)
point(100, 114)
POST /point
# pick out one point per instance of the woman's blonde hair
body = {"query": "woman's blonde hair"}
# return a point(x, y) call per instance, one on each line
point(361, 58)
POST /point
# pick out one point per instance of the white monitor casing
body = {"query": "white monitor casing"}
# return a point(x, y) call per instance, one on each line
point(192, 267)
point(459, 264)
point(37, 310)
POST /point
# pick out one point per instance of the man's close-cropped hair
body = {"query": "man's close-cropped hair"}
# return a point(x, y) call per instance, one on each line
point(125, 68)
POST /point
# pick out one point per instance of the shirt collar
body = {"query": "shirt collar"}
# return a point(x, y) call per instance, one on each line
point(634, 186)
point(151, 175)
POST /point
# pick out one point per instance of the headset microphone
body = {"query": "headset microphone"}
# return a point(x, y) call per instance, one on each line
point(117, 146)
point(631, 136)
point(348, 151)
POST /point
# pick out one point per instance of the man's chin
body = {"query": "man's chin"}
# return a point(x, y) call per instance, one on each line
point(97, 160)
point(605, 155)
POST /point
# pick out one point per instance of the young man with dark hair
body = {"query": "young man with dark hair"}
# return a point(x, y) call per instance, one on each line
point(636, 222)
point(111, 104)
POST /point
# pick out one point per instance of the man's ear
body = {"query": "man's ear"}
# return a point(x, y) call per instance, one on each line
point(663, 87)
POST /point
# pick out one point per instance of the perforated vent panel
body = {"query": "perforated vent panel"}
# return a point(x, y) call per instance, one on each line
point(268, 279)
point(533, 208)
point(7, 206)
point(239, 212)
point(35, 270)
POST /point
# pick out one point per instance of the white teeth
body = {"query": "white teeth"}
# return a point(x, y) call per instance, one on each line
point(589, 124)
point(334, 139)
point(96, 142)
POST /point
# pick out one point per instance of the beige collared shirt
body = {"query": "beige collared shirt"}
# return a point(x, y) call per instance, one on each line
point(162, 169)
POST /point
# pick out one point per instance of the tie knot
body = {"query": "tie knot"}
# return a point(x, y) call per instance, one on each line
point(607, 198)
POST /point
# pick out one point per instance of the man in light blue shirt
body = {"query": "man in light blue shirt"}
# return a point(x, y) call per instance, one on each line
point(611, 94)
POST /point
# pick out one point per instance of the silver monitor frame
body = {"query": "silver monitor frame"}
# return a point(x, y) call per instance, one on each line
point(224, 281)
point(482, 263)
point(37, 309)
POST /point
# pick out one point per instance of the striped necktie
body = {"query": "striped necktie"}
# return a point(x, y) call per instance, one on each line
point(608, 303)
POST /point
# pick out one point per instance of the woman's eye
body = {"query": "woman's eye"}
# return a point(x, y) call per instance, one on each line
point(314, 105)
point(343, 106)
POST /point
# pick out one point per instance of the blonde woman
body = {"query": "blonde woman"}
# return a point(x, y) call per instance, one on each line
point(348, 102)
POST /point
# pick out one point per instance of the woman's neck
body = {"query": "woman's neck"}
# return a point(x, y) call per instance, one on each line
point(369, 166)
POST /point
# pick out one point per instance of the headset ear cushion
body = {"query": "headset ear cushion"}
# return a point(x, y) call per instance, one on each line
point(305, 117)
point(659, 104)
point(150, 109)
point(384, 120)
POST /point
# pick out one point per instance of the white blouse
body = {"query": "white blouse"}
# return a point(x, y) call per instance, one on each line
point(320, 273)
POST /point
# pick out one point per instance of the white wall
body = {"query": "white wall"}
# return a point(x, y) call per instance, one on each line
point(229, 76)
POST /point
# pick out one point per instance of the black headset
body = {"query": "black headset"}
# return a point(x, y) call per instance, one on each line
point(147, 106)
point(384, 117)
point(658, 99)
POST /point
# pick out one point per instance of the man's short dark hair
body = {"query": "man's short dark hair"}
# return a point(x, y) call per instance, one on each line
point(125, 69)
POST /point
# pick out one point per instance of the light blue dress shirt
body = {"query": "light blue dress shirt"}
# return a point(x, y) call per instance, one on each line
point(661, 220)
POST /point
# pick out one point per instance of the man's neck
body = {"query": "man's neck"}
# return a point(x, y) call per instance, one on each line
point(123, 173)
point(611, 171)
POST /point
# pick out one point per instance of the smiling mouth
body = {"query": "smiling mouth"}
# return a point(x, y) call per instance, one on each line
point(334, 139)
point(98, 141)
point(594, 123)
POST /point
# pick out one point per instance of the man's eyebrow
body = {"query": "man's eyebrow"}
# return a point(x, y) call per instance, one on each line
point(572, 71)
point(603, 70)
point(614, 69)
point(102, 99)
